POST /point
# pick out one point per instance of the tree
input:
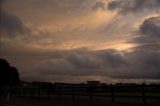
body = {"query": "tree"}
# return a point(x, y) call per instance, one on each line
point(9, 75)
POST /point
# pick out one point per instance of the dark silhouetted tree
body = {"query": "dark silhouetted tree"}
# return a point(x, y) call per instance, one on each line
point(9, 75)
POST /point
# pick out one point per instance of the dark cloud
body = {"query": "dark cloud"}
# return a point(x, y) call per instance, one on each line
point(146, 55)
point(149, 32)
point(151, 27)
point(99, 5)
point(11, 25)
point(95, 60)
point(111, 58)
point(134, 6)
point(83, 60)
point(138, 64)
point(54, 67)
point(147, 61)
point(142, 63)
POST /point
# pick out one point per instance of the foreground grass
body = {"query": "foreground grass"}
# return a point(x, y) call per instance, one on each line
point(79, 101)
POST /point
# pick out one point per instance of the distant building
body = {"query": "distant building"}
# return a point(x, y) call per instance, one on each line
point(93, 83)
point(57, 84)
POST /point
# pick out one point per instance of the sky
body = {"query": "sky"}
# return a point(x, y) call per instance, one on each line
point(78, 40)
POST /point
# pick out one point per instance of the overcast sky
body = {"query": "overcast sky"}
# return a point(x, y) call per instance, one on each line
point(79, 40)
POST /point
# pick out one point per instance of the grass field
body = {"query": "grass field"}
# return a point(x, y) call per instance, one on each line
point(66, 100)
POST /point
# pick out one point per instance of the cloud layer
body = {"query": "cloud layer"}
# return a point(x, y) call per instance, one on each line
point(79, 40)
point(139, 64)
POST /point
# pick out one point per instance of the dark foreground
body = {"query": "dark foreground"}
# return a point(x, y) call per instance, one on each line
point(81, 95)
point(80, 101)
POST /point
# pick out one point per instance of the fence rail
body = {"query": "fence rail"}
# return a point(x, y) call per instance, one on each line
point(144, 92)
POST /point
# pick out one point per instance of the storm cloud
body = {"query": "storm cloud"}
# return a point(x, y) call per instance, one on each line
point(11, 25)
point(104, 63)
point(148, 32)
point(134, 6)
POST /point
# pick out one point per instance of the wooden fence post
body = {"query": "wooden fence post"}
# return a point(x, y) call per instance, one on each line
point(31, 93)
point(59, 93)
point(73, 93)
point(24, 92)
point(48, 92)
point(39, 93)
point(8, 96)
point(90, 93)
point(112, 93)
point(143, 93)
point(91, 96)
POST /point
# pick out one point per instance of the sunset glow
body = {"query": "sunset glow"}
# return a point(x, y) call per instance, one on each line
point(57, 40)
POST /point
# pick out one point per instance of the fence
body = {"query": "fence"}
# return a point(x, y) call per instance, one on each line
point(143, 92)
